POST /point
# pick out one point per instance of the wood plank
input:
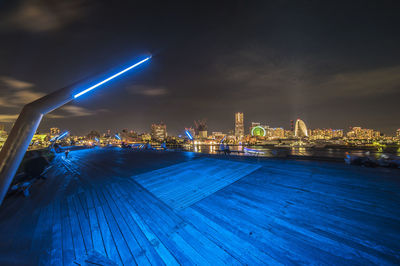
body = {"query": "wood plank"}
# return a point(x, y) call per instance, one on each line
point(120, 243)
point(205, 247)
point(164, 227)
point(67, 242)
point(45, 226)
point(193, 242)
point(184, 184)
point(77, 237)
point(56, 246)
point(130, 239)
point(97, 238)
point(108, 239)
point(83, 223)
point(162, 251)
point(326, 226)
point(240, 249)
point(340, 210)
point(145, 244)
point(37, 234)
point(257, 229)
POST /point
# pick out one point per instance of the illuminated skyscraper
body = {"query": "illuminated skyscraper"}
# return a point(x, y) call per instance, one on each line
point(239, 125)
point(159, 132)
point(300, 129)
point(54, 131)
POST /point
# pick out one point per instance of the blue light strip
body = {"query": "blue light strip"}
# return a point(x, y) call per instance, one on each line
point(188, 134)
point(222, 140)
point(110, 78)
point(117, 137)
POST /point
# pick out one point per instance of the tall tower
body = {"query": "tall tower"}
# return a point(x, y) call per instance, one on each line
point(54, 131)
point(159, 132)
point(300, 129)
point(239, 125)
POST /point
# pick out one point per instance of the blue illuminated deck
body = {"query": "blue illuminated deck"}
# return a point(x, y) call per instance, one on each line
point(98, 207)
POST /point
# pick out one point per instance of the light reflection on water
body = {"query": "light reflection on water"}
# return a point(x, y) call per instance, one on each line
point(296, 151)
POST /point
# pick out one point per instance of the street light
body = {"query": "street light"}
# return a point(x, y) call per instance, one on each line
point(28, 121)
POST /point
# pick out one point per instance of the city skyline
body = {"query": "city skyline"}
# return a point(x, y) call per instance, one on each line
point(238, 119)
point(335, 66)
point(44, 127)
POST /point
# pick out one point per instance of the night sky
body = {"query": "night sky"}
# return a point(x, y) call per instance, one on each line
point(333, 64)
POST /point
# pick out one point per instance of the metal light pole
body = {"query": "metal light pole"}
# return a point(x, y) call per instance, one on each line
point(28, 121)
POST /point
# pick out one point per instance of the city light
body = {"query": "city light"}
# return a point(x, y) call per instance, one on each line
point(253, 151)
point(110, 78)
point(117, 137)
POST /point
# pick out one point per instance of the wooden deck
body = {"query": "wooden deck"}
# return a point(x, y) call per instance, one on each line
point(106, 209)
point(183, 184)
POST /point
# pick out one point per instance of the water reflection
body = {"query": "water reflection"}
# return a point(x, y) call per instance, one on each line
point(293, 151)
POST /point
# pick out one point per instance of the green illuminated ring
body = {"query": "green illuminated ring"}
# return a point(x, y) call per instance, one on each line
point(258, 127)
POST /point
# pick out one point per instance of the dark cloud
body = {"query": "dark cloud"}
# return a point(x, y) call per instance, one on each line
point(37, 16)
point(72, 111)
point(11, 82)
point(148, 90)
point(17, 93)
point(334, 64)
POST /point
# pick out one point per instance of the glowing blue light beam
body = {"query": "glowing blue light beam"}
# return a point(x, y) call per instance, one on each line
point(54, 138)
point(110, 78)
point(117, 137)
point(188, 134)
point(63, 135)
point(222, 140)
point(96, 139)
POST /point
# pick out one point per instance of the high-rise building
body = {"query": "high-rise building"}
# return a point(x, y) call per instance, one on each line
point(362, 133)
point(54, 131)
point(325, 133)
point(159, 132)
point(239, 125)
point(300, 129)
